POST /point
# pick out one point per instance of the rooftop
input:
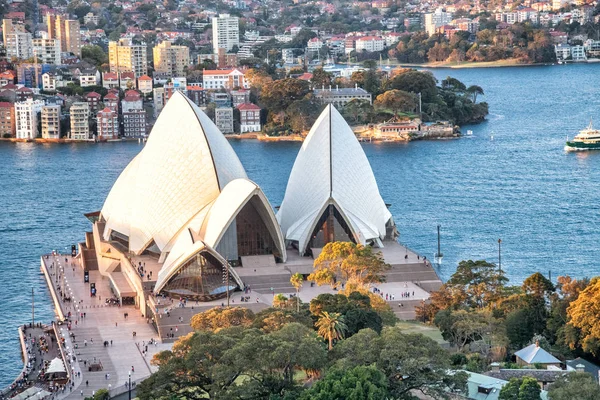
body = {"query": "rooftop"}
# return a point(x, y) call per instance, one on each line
point(535, 354)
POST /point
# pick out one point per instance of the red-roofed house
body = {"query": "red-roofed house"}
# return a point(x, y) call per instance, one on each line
point(7, 77)
point(216, 79)
point(127, 80)
point(23, 94)
point(93, 100)
point(249, 117)
point(108, 124)
point(110, 80)
point(144, 84)
point(307, 76)
point(111, 101)
point(7, 119)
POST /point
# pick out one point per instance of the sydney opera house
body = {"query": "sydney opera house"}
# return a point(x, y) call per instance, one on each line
point(183, 219)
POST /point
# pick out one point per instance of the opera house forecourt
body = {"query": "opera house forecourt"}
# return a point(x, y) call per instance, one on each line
point(183, 221)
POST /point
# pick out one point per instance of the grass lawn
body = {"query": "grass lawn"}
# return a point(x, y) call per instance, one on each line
point(418, 327)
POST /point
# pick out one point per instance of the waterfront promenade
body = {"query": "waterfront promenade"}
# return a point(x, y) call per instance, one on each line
point(101, 323)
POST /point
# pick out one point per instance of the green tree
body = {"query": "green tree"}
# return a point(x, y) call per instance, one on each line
point(475, 90)
point(296, 280)
point(574, 385)
point(278, 95)
point(356, 309)
point(331, 327)
point(94, 55)
point(537, 285)
point(358, 383)
point(416, 82)
point(358, 111)
point(396, 100)
point(521, 389)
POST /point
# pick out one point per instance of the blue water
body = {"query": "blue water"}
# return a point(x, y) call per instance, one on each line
point(520, 187)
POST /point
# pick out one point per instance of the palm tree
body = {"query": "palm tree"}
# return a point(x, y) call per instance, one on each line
point(474, 90)
point(296, 281)
point(331, 327)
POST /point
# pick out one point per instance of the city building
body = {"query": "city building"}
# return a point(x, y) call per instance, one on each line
point(171, 60)
point(7, 77)
point(340, 96)
point(222, 58)
point(124, 56)
point(93, 99)
point(240, 96)
point(9, 26)
point(331, 193)
point(7, 120)
point(126, 80)
point(51, 122)
point(249, 117)
point(224, 119)
point(108, 124)
point(134, 115)
point(90, 18)
point(51, 81)
point(197, 95)
point(226, 33)
point(111, 100)
point(23, 94)
point(30, 75)
point(47, 51)
point(66, 31)
point(436, 19)
point(144, 84)
point(110, 80)
point(89, 77)
point(80, 121)
point(27, 117)
point(370, 44)
point(19, 45)
point(224, 79)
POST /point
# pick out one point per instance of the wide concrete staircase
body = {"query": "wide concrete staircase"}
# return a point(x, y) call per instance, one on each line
point(263, 283)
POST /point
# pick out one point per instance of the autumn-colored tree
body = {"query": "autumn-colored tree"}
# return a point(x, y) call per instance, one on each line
point(321, 78)
point(348, 263)
point(278, 95)
point(296, 280)
point(537, 285)
point(331, 326)
point(583, 316)
point(219, 318)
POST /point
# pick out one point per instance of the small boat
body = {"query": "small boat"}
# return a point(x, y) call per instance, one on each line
point(439, 255)
point(469, 132)
point(586, 139)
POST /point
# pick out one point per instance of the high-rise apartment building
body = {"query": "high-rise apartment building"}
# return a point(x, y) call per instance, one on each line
point(134, 116)
point(171, 60)
point(436, 19)
point(9, 26)
point(226, 32)
point(18, 45)
point(51, 122)
point(47, 51)
point(80, 124)
point(66, 31)
point(124, 56)
point(26, 114)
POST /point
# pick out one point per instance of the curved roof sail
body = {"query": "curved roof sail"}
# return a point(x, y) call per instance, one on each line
point(332, 169)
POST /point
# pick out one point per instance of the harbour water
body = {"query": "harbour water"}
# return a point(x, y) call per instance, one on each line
point(519, 186)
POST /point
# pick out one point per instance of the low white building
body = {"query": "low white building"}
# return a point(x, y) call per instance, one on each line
point(51, 122)
point(89, 77)
point(27, 116)
point(224, 79)
point(80, 116)
point(370, 44)
point(51, 81)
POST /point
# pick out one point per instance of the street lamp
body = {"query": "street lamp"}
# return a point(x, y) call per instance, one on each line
point(499, 255)
point(129, 385)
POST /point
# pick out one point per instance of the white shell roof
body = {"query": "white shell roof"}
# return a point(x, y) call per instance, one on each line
point(183, 167)
point(332, 168)
point(207, 228)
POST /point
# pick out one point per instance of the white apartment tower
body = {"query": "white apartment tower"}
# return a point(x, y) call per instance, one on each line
point(226, 32)
point(19, 45)
point(26, 114)
point(51, 122)
point(47, 51)
point(171, 60)
point(436, 19)
point(80, 116)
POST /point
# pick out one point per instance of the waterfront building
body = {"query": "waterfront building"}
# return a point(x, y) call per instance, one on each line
point(203, 211)
point(47, 51)
point(108, 124)
point(332, 194)
point(124, 56)
point(240, 96)
point(66, 31)
point(93, 99)
point(224, 79)
point(144, 84)
point(7, 120)
point(249, 117)
point(27, 117)
point(224, 119)
point(197, 94)
point(370, 44)
point(80, 121)
point(171, 60)
point(226, 33)
point(51, 122)
point(134, 116)
point(340, 96)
